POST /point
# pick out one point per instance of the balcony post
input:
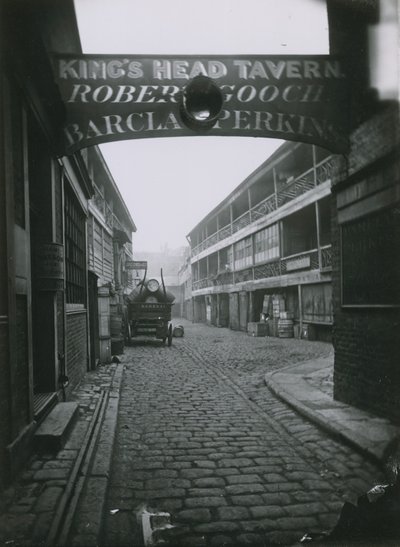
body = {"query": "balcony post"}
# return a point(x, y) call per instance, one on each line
point(252, 256)
point(233, 263)
point(281, 249)
point(314, 157)
point(249, 202)
point(275, 188)
point(300, 309)
point(318, 235)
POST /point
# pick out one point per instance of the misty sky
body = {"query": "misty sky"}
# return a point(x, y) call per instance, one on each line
point(169, 184)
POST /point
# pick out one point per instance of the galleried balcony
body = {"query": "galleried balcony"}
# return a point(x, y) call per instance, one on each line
point(313, 259)
point(287, 187)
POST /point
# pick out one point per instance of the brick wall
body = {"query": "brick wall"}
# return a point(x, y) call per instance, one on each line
point(4, 404)
point(366, 339)
point(20, 376)
point(367, 373)
point(76, 347)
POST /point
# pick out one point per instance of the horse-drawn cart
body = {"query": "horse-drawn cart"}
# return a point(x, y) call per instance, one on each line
point(149, 311)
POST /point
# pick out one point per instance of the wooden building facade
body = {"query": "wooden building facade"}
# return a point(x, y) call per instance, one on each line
point(269, 240)
point(46, 312)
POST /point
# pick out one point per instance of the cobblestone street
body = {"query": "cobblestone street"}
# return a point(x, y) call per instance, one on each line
point(201, 437)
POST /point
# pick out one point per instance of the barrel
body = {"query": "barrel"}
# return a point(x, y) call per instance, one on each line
point(285, 328)
point(178, 331)
point(138, 295)
point(115, 325)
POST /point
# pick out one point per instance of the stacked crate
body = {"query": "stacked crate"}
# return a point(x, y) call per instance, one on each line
point(278, 305)
point(257, 329)
point(285, 325)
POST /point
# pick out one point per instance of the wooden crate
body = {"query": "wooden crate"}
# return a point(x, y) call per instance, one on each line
point(257, 329)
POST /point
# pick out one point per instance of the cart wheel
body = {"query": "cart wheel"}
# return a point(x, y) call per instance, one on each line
point(169, 335)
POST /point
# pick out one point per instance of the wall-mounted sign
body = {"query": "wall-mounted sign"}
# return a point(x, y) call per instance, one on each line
point(109, 98)
point(49, 267)
point(298, 263)
point(135, 265)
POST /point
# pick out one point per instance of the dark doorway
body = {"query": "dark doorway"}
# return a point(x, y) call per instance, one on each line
point(93, 320)
point(41, 232)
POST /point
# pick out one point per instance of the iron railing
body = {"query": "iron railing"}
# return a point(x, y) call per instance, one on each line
point(273, 268)
point(300, 185)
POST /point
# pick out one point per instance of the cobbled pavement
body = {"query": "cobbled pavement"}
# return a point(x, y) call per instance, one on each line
point(200, 436)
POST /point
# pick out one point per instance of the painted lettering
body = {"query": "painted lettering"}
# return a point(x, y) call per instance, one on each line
point(241, 116)
point(124, 94)
point(102, 94)
point(130, 119)
point(135, 70)
point(268, 93)
point(246, 93)
point(80, 90)
point(145, 94)
point(257, 70)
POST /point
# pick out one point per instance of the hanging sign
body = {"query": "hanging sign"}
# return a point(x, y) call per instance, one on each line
point(298, 263)
point(135, 265)
point(118, 97)
point(49, 267)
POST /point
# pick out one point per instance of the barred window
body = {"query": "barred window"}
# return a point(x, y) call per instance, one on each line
point(266, 244)
point(74, 250)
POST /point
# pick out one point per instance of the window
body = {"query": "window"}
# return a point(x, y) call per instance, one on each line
point(74, 250)
point(266, 244)
point(229, 258)
point(243, 254)
point(225, 259)
point(300, 231)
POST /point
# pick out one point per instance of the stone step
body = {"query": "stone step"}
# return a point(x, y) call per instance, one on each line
point(53, 432)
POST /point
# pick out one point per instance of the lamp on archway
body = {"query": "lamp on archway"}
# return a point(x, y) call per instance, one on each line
point(201, 103)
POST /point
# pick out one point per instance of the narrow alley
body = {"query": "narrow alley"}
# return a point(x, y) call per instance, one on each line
point(201, 437)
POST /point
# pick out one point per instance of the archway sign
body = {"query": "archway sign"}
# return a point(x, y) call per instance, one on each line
point(118, 97)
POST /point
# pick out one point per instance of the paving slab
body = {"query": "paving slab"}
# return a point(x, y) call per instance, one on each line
point(31, 506)
point(295, 384)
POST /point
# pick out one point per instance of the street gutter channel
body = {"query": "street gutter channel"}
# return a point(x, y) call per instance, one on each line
point(62, 522)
